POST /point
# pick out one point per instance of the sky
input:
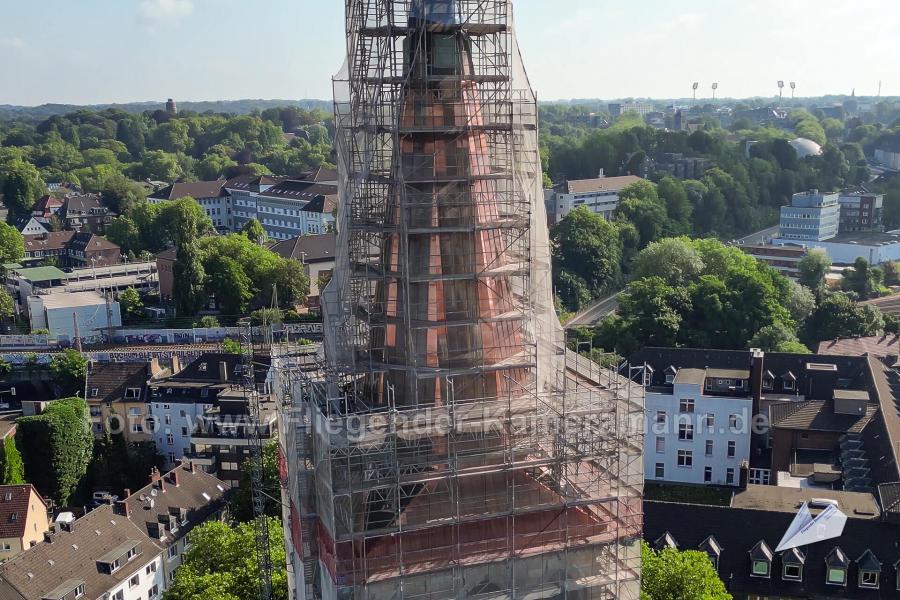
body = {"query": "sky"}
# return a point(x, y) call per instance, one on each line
point(105, 51)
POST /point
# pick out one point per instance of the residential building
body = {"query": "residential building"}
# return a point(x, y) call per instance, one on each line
point(30, 226)
point(761, 116)
point(698, 426)
point(316, 254)
point(812, 217)
point(211, 195)
point(127, 550)
point(889, 159)
point(861, 562)
point(617, 109)
point(85, 213)
point(46, 208)
point(680, 166)
point(117, 398)
point(843, 249)
point(701, 405)
point(243, 191)
point(600, 195)
point(71, 249)
point(860, 210)
point(412, 468)
point(201, 413)
point(76, 314)
point(291, 208)
point(23, 519)
point(784, 258)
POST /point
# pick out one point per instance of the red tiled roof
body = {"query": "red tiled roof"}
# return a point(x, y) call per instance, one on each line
point(19, 497)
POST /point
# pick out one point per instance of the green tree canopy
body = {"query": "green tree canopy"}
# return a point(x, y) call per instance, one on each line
point(221, 564)
point(69, 370)
point(56, 447)
point(242, 503)
point(813, 267)
point(673, 575)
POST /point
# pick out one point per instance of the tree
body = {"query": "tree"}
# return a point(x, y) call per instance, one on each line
point(56, 447)
point(891, 273)
point(673, 575)
point(12, 469)
point(572, 290)
point(230, 346)
point(12, 244)
point(22, 186)
point(227, 281)
point(7, 306)
point(813, 268)
point(69, 371)
point(863, 280)
point(673, 259)
point(839, 317)
point(120, 194)
point(587, 245)
point(131, 303)
point(221, 564)
point(188, 279)
point(778, 338)
point(242, 504)
point(207, 322)
point(254, 231)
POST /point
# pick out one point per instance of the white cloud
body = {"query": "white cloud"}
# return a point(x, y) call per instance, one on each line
point(156, 12)
point(16, 43)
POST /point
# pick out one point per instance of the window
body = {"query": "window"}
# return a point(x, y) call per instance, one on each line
point(685, 432)
point(660, 470)
point(792, 572)
point(732, 421)
point(670, 378)
point(153, 592)
point(131, 553)
point(709, 447)
point(759, 476)
point(710, 422)
point(172, 552)
point(95, 392)
point(137, 428)
point(686, 405)
point(685, 458)
point(660, 445)
point(119, 595)
point(132, 393)
point(768, 383)
point(789, 384)
point(660, 417)
point(79, 590)
point(732, 448)
point(184, 431)
point(171, 457)
point(868, 579)
point(167, 419)
point(151, 568)
point(836, 576)
point(170, 439)
point(134, 412)
point(707, 474)
point(760, 568)
point(134, 581)
point(729, 476)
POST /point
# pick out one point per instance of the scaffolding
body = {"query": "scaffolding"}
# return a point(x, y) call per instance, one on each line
point(444, 444)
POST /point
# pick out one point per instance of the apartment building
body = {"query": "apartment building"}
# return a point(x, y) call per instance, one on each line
point(211, 195)
point(23, 519)
point(116, 394)
point(600, 196)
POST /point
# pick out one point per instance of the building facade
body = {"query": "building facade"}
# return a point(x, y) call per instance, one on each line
point(211, 195)
point(76, 314)
point(860, 211)
point(23, 519)
point(812, 217)
point(600, 196)
point(699, 426)
point(410, 465)
point(116, 394)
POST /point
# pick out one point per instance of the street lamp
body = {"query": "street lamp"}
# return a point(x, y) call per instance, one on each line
point(715, 86)
point(694, 87)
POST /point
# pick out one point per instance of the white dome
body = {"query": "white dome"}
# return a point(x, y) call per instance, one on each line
point(806, 147)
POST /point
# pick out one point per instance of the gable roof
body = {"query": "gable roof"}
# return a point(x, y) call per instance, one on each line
point(55, 240)
point(17, 504)
point(300, 190)
point(74, 554)
point(86, 241)
point(111, 379)
point(308, 248)
point(194, 189)
point(83, 205)
point(818, 415)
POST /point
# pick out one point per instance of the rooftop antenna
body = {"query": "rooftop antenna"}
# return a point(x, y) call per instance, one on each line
point(879, 88)
point(793, 88)
point(780, 89)
point(695, 86)
point(715, 86)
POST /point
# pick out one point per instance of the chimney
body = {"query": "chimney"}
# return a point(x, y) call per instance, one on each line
point(162, 484)
point(121, 508)
point(154, 475)
point(223, 371)
point(49, 536)
point(176, 364)
point(757, 368)
point(175, 477)
point(745, 474)
point(127, 493)
point(190, 466)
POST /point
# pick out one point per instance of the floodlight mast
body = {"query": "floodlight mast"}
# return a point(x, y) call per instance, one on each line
point(715, 86)
point(780, 89)
point(694, 87)
point(793, 89)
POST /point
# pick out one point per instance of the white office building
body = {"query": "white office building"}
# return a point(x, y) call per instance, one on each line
point(600, 195)
point(698, 427)
point(89, 314)
point(812, 217)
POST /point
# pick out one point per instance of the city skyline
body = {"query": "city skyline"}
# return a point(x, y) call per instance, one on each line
point(228, 49)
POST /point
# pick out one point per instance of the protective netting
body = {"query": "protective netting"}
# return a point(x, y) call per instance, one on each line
point(450, 446)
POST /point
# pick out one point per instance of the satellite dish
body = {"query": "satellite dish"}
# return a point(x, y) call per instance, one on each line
point(806, 529)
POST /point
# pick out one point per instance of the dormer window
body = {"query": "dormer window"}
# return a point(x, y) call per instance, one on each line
point(671, 372)
point(869, 570)
point(132, 393)
point(712, 549)
point(790, 381)
point(836, 564)
point(793, 561)
point(761, 560)
point(768, 381)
